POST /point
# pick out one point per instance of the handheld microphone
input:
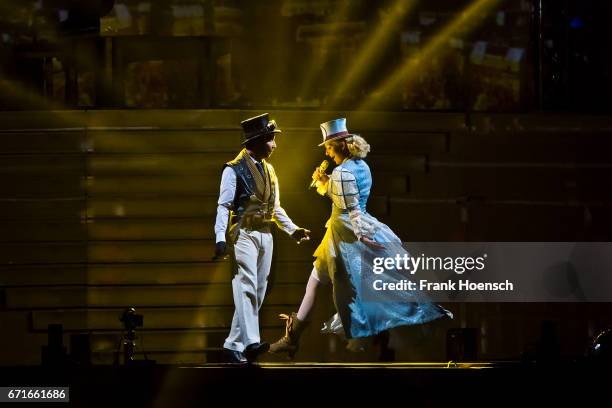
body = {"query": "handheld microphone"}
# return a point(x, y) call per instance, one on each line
point(322, 168)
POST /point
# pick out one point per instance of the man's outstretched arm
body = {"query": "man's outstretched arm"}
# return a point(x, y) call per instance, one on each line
point(227, 191)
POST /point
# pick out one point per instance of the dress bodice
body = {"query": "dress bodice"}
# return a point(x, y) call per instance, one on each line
point(350, 185)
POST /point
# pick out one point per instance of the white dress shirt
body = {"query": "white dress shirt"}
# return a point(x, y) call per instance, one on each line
point(226, 200)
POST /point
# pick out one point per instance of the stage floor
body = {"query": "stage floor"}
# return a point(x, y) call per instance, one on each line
point(492, 383)
point(361, 366)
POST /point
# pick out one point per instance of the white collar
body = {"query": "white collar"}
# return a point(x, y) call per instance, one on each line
point(253, 159)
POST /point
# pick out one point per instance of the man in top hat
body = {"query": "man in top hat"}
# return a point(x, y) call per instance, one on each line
point(250, 197)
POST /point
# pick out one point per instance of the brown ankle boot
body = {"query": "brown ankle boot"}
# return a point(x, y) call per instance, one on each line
point(290, 341)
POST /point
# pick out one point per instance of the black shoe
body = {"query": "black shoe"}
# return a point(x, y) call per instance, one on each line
point(255, 350)
point(233, 356)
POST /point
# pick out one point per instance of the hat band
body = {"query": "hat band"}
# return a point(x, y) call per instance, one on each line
point(336, 135)
point(269, 128)
point(255, 134)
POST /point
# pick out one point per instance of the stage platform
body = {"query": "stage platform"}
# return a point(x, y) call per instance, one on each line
point(369, 365)
point(495, 383)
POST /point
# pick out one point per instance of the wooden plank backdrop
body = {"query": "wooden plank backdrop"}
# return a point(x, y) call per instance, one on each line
point(100, 210)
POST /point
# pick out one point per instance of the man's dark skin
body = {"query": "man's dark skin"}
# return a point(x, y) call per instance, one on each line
point(259, 149)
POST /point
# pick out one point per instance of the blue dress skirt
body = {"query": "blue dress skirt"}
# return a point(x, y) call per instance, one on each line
point(361, 311)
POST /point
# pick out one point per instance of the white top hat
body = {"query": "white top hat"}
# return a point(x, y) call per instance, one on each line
point(334, 129)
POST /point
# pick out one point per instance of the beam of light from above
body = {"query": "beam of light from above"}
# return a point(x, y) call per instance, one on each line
point(23, 96)
point(316, 65)
point(45, 31)
point(467, 20)
point(371, 52)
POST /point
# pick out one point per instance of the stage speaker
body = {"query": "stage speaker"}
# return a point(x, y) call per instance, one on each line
point(461, 344)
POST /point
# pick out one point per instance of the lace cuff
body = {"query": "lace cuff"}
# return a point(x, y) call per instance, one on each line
point(321, 187)
point(361, 227)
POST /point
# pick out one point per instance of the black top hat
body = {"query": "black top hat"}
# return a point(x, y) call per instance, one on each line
point(258, 126)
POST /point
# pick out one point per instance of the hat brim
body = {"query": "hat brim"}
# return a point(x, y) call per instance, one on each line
point(336, 138)
point(262, 134)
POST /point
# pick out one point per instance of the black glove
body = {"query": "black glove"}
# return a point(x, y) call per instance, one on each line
point(220, 250)
point(301, 234)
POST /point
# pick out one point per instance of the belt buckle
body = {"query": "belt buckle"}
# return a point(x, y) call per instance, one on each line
point(257, 220)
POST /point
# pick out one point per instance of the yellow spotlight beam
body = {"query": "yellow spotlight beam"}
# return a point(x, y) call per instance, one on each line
point(406, 72)
point(315, 66)
point(11, 90)
point(372, 49)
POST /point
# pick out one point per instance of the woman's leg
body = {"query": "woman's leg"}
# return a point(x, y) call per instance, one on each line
point(309, 298)
point(295, 322)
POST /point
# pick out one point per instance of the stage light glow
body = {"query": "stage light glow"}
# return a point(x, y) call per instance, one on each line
point(340, 16)
point(372, 50)
point(466, 21)
point(22, 96)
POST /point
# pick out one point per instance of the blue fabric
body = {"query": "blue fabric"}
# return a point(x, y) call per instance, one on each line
point(245, 184)
point(363, 311)
point(361, 171)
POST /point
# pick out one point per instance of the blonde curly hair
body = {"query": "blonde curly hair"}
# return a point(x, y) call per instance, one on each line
point(354, 146)
point(357, 146)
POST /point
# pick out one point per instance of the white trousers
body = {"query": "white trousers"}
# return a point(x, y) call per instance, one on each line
point(253, 256)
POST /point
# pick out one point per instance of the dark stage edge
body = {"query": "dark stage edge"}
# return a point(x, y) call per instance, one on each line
point(295, 384)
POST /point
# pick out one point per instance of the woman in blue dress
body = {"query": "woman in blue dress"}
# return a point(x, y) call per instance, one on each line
point(353, 238)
